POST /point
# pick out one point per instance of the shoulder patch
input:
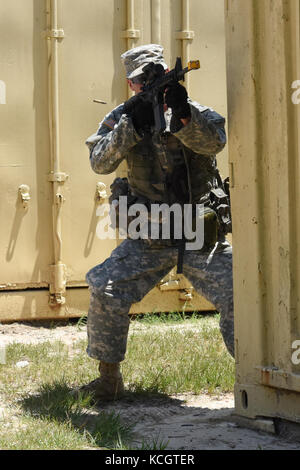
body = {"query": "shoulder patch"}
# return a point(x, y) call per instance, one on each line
point(109, 122)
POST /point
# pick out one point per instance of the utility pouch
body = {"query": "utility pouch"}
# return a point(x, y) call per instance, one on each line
point(211, 224)
point(119, 187)
point(220, 203)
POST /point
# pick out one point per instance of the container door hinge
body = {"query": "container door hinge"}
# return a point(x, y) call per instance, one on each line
point(58, 177)
point(185, 290)
point(186, 295)
point(53, 34)
point(172, 284)
point(188, 35)
point(131, 34)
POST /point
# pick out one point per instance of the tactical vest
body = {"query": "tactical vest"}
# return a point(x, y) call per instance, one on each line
point(161, 169)
point(158, 168)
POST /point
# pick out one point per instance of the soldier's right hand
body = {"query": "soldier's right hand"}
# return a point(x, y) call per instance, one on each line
point(141, 114)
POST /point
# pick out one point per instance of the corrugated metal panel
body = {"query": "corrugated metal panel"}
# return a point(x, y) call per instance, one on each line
point(24, 146)
point(51, 242)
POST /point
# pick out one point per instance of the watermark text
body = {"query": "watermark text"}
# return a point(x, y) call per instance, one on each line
point(296, 94)
point(160, 221)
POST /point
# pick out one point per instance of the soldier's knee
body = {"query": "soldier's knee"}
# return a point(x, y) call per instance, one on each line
point(95, 280)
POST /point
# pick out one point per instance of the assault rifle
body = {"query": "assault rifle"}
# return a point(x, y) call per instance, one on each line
point(154, 85)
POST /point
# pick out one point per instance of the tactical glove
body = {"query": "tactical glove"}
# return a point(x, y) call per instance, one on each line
point(176, 99)
point(141, 114)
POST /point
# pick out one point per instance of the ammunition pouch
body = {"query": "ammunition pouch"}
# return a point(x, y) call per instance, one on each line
point(120, 187)
point(211, 226)
point(220, 203)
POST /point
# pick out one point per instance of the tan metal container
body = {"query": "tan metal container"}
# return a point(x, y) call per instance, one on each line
point(263, 58)
point(56, 57)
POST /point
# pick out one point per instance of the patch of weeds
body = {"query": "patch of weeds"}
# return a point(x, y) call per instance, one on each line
point(153, 318)
point(48, 362)
point(81, 322)
point(180, 360)
point(111, 432)
point(54, 401)
point(154, 443)
point(54, 404)
point(41, 434)
point(169, 318)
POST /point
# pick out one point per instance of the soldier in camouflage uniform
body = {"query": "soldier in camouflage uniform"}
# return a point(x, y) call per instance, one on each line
point(136, 266)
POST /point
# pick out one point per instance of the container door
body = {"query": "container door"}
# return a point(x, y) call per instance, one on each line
point(264, 123)
point(49, 193)
point(25, 207)
point(89, 68)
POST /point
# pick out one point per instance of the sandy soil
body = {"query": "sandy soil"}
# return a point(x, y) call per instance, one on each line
point(185, 422)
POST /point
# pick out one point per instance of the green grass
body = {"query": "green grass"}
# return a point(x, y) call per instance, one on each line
point(42, 434)
point(53, 419)
point(168, 318)
point(167, 355)
point(177, 360)
point(81, 322)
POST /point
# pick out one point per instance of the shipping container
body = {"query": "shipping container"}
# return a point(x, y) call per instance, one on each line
point(263, 75)
point(57, 56)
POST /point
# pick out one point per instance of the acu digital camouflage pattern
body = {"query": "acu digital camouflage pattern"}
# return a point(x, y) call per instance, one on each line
point(136, 59)
point(204, 136)
point(132, 270)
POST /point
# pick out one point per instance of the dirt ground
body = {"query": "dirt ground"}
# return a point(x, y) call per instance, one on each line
point(185, 422)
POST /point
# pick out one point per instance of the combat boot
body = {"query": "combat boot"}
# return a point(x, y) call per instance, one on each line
point(109, 386)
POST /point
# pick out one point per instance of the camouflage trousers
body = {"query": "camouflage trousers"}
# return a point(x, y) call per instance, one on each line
point(131, 271)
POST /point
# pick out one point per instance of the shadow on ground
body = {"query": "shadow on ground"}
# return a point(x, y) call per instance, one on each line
point(131, 422)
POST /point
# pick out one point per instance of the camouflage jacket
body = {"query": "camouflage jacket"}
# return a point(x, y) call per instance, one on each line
point(157, 162)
